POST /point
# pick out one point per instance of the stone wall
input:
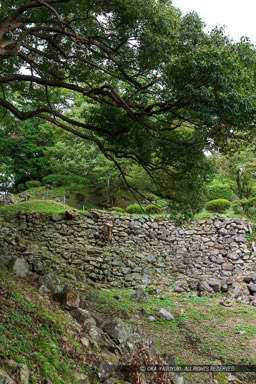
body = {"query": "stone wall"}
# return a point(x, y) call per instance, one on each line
point(142, 250)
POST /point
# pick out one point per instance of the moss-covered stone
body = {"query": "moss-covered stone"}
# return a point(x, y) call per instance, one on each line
point(221, 378)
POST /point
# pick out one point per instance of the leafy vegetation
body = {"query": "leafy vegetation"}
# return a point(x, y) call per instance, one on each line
point(159, 103)
point(32, 184)
point(135, 208)
point(218, 190)
point(22, 147)
point(152, 208)
point(219, 205)
point(108, 104)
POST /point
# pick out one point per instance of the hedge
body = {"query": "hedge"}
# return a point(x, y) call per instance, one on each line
point(152, 208)
point(135, 208)
point(218, 205)
point(33, 184)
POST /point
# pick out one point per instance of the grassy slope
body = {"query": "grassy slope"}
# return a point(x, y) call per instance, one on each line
point(35, 331)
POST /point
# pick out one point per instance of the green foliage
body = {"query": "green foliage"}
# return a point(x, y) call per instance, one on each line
point(186, 185)
point(137, 96)
point(219, 205)
point(81, 197)
point(249, 206)
point(61, 180)
point(140, 180)
point(237, 167)
point(86, 162)
point(21, 187)
point(152, 208)
point(32, 184)
point(219, 191)
point(135, 208)
point(6, 177)
point(22, 146)
point(236, 207)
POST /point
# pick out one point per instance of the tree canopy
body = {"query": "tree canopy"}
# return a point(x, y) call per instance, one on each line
point(160, 90)
point(22, 148)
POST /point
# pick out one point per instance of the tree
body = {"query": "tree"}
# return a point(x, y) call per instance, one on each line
point(70, 155)
point(22, 147)
point(144, 69)
point(238, 169)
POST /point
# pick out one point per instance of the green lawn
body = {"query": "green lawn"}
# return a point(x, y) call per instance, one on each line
point(44, 207)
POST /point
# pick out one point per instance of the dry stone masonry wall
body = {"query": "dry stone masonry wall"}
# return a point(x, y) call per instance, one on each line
point(202, 255)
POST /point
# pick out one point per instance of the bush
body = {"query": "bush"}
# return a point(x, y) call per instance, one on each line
point(32, 184)
point(218, 205)
point(237, 208)
point(249, 206)
point(152, 208)
point(60, 180)
point(219, 191)
point(135, 208)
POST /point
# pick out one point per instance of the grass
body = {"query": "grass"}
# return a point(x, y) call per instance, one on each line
point(43, 207)
point(202, 330)
point(229, 213)
point(34, 331)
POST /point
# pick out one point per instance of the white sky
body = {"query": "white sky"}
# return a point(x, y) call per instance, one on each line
point(239, 16)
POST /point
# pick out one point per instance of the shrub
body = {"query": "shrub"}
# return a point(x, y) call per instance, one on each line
point(135, 208)
point(32, 184)
point(249, 206)
point(60, 180)
point(219, 191)
point(236, 207)
point(152, 208)
point(218, 205)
